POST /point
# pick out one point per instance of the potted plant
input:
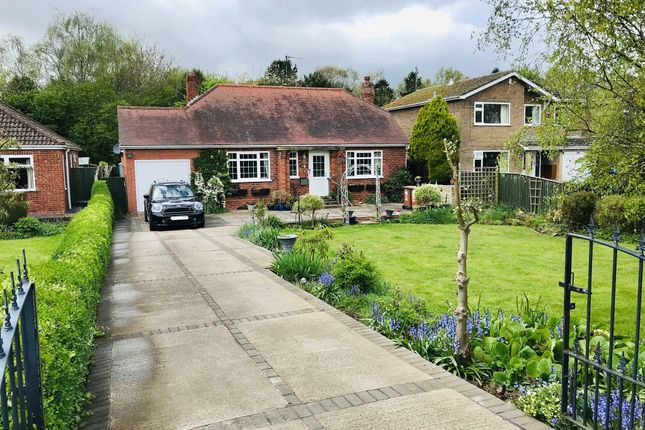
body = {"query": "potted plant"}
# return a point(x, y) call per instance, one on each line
point(279, 200)
point(250, 206)
point(389, 213)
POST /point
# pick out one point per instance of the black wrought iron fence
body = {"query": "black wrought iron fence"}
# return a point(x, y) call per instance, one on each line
point(602, 385)
point(20, 388)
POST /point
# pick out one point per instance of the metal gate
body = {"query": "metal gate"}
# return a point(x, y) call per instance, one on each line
point(600, 387)
point(22, 404)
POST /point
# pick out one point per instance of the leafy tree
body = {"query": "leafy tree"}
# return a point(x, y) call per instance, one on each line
point(280, 72)
point(596, 51)
point(317, 79)
point(410, 84)
point(447, 74)
point(383, 93)
point(434, 124)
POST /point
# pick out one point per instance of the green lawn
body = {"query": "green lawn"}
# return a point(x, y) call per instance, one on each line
point(504, 264)
point(38, 249)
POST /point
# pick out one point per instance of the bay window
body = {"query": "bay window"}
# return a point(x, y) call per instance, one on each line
point(487, 113)
point(364, 164)
point(22, 170)
point(249, 166)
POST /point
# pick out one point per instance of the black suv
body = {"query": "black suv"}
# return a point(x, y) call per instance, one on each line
point(172, 204)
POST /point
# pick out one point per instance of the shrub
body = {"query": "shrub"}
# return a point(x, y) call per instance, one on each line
point(29, 226)
point(496, 215)
point(635, 212)
point(212, 192)
point(577, 209)
point(68, 295)
point(543, 403)
point(353, 269)
point(309, 203)
point(266, 237)
point(280, 196)
point(315, 242)
point(274, 222)
point(429, 216)
point(393, 187)
point(12, 208)
point(295, 266)
point(427, 195)
point(610, 210)
point(371, 199)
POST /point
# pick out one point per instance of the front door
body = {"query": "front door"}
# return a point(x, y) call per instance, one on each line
point(319, 173)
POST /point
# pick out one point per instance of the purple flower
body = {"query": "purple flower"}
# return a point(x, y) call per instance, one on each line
point(354, 290)
point(326, 279)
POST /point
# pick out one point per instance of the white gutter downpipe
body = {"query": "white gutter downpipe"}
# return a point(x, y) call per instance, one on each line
point(67, 187)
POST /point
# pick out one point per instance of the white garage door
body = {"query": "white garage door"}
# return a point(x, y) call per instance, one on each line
point(149, 171)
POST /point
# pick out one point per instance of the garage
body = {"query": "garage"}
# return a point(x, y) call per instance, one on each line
point(149, 171)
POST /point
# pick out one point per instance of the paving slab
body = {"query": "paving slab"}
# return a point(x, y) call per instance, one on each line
point(147, 268)
point(186, 379)
point(145, 248)
point(208, 263)
point(443, 409)
point(147, 306)
point(191, 245)
point(246, 294)
point(319, 357)
point(290, 425)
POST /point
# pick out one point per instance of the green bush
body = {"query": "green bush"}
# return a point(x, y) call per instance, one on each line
point(315, 241)
point(309, 204)
point(353, 269)
point(635, 212)
point(295, 266)
point(429, 216)
point(29, 226)
point(427, 195)
point(68, 295)
point(543, 403)
point(577, 209)
point(12, 207)
point(261, 235)
point(371, 199)
point(497, 215)
point(274, 222)
point(610, 210)
point(393, 187)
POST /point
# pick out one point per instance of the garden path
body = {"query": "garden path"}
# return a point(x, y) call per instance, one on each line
point(199, 334)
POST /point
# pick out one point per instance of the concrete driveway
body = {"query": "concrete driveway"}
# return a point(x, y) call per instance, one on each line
point(199, 334)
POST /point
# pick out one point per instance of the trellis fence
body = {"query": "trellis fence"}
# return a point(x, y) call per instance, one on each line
point(491, 187)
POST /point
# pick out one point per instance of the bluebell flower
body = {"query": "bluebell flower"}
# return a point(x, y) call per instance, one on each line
point(326, 279)
point(354, 290)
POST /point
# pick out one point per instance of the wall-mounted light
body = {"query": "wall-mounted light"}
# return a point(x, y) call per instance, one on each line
point(130, 155)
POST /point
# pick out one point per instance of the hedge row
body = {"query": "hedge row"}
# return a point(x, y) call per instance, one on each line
point(68, 290)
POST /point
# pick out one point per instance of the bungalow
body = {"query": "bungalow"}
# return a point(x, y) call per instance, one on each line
point(490, 109)
point(42, 160)
point(300, 140)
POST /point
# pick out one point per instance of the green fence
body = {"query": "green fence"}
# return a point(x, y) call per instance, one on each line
point(81, 180)
point(525, 192)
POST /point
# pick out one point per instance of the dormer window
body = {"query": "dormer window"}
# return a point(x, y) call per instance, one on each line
point(487, 113)
point(532, 114)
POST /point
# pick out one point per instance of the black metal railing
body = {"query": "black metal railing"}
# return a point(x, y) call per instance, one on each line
point(602, 385)
point(20, 388)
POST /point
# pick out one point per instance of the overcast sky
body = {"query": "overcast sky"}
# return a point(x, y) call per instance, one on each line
point(242, 37)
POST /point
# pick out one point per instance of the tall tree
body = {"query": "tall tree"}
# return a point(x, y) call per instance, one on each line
point(410, 84)
point(383, 93)
point(446, 75)
point(597, 56)
point(280, 72)
point(434, 124)
point(317, 79)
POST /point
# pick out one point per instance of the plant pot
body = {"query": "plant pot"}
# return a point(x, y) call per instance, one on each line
point(353, 220)
point(389, 213)
point(250, 207)
point(350, 213)
point(287, 241)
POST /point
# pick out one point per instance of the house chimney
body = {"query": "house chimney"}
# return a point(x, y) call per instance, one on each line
point(191, 86)
point(367, 90)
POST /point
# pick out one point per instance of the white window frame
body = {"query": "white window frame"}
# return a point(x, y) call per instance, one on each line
point(477, 109)
point(6, 160)
point(539, 121)
point(291, 158)
point(237, 162)
point(479, 155)
point(373, 157)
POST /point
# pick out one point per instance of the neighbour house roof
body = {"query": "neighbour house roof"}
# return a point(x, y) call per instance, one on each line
point(248, 115)
point(459, 90)
point(28, 133)
point(530, 142)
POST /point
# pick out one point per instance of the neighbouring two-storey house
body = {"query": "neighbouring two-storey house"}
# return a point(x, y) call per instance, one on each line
point(300, 140)
point(489, 110)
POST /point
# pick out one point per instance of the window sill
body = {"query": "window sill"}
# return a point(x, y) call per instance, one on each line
point(294, 177)
point(244, 181)
point(29, 190)
point(491, 125)
point(363, 177)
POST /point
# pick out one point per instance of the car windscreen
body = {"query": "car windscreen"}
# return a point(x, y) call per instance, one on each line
point(172, 191)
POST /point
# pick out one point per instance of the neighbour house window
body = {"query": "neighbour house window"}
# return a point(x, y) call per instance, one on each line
point(248, 166)
point(532, 114)
point(491, 159)
point(364, 164)
point(23, 168)
point(293, 164)
point(492, 113)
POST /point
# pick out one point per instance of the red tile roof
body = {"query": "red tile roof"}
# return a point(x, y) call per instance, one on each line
point(247, 115)
point(29, 133)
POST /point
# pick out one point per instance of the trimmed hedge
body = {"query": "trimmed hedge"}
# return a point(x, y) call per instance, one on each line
point(68, 291)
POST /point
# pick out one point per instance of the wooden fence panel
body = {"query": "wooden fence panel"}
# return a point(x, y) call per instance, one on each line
point(81, 180)
point(526, 192)
point(117, 188)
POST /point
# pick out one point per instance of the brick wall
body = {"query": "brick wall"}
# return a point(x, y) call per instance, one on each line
point(393, 158)
point(50, 197)
point(481, 137)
